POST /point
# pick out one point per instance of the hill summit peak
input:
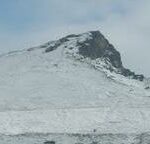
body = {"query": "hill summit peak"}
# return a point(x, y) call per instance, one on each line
point(93, 46)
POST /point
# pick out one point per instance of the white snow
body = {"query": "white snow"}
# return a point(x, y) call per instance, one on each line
point(55, 92)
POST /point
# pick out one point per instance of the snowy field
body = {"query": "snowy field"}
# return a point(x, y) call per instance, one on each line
point(86, 120)
point(55, 93)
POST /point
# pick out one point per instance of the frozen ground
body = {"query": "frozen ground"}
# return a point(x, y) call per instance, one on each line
point(39, 92)
point(55, 93)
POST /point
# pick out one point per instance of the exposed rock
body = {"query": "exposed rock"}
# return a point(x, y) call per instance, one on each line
point(128, 73)
point(97, 46)
point(49, 142)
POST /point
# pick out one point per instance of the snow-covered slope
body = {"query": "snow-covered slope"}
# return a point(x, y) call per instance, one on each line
point(59, 87)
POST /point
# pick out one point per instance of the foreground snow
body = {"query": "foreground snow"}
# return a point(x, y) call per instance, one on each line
point(81, 120)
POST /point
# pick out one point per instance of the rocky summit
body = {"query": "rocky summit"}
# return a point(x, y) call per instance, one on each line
point(96, 46)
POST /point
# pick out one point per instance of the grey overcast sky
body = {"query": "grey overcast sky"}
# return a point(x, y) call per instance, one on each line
point(126, 23)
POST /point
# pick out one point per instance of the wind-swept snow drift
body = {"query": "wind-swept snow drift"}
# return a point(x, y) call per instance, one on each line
point(75, 84)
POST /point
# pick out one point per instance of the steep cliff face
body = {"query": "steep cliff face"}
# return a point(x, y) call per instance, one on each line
point(95, 46)
point(99, 47)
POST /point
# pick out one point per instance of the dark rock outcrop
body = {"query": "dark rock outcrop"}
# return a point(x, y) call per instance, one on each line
point(97, 46)
point(49, 142)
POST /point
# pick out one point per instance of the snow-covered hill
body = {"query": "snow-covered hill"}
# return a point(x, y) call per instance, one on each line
point(73, 85)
